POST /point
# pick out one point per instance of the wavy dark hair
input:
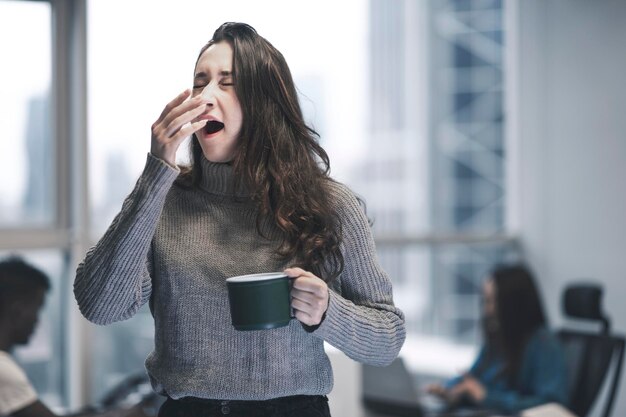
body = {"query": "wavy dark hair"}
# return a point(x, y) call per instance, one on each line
point(278, 156)
point(519, 313)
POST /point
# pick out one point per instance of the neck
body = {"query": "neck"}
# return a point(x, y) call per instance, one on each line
point(219, 178)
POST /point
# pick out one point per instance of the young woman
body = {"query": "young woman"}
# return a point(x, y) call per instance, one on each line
point(256, 198)
point(521, 364)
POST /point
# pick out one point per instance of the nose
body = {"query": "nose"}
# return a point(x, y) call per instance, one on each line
point(208, 94)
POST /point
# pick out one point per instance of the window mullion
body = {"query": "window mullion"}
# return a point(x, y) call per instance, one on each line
point(70, 130)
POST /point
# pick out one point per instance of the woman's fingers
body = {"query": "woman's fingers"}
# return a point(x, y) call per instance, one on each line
point(175, 123)
point(298, 272)
point(439, 391)
point(300, 305)
point(306, 318)
point(166, 127)
point(173, 104)
point(309, 296)
point(188, 131)
point(458, 390)
point(305, 312)
point(314, 299)
point(189, 105)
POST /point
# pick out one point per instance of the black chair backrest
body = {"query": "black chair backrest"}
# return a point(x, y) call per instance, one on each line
point(589, 355)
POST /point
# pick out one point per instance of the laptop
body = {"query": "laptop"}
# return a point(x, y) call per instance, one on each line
point(392, 391)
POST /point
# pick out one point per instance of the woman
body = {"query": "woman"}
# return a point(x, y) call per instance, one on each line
point(256, 198)
point(521, 363)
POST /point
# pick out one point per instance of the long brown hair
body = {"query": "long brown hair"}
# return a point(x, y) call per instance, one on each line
point(278, 156)
point(519, 313)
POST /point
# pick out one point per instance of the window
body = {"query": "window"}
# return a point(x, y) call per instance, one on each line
point(26, 150)
point(437, 92)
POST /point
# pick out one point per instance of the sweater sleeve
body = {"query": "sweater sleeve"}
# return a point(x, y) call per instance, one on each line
point(361, 320)
point(114, 279)
point(546, 379)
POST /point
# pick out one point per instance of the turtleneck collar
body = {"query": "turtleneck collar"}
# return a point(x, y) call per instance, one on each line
point(219, 178)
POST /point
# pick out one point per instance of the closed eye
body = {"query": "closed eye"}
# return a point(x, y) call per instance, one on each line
point(225, 84)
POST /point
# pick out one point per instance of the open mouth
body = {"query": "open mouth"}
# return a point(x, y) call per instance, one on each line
point(213, 126)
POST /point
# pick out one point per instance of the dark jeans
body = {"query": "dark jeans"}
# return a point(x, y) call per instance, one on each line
point(296, 406)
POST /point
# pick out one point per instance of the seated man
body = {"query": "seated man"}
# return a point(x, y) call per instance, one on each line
point(521, 362)
point(22, 293)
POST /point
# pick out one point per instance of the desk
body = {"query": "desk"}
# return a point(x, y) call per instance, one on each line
point(460, 413)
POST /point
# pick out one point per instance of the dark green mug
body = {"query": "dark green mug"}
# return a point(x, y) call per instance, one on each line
point(260, 301)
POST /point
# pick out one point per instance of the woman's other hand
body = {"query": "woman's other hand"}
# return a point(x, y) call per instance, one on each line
point(445, 394)
point(309, 296)
point(471, 388)
point(175, 124)
point(437, 389)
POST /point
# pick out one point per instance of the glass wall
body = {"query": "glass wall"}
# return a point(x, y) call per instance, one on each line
point(433, 170)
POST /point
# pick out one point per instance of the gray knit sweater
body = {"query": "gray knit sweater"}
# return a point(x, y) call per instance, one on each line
point(175, 246)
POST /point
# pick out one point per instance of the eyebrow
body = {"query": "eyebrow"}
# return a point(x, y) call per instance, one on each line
point(223, 73)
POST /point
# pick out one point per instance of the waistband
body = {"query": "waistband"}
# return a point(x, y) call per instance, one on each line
point(273, 401)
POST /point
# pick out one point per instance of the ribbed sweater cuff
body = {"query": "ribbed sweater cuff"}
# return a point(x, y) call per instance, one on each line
point(158, 175)
point(372, 337)
point(336, 313)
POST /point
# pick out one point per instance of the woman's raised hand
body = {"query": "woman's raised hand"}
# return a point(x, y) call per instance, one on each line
point(175, 124)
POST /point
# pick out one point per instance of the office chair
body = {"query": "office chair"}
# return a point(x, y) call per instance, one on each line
point(589, 355)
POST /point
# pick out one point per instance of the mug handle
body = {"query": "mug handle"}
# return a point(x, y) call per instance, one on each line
point(292, 312)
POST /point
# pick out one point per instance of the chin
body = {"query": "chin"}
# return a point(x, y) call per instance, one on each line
point(218, 154)
point(218, 147)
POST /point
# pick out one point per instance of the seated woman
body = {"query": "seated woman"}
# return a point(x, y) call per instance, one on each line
point(521, 363)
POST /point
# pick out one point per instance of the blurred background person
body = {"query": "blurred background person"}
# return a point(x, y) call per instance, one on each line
point(23, 291)
point(520, 364)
